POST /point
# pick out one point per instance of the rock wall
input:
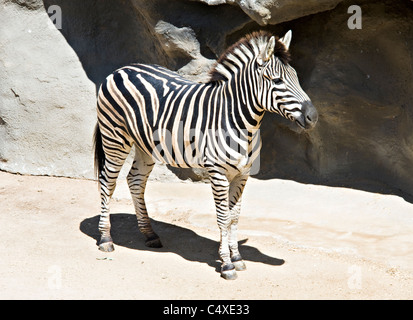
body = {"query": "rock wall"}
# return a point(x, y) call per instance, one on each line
point(361, 81)
point(47, 103)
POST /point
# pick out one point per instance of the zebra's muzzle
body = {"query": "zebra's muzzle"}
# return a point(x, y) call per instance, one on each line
point(309, 116)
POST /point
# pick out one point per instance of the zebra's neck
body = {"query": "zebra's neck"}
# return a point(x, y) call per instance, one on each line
point(236, 99)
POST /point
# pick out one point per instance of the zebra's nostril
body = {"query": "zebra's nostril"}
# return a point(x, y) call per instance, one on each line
point(310, 113)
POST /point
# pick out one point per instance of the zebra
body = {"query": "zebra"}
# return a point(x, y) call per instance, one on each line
point(185, 124)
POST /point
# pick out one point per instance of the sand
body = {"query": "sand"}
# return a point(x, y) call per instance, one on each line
point(298, 241)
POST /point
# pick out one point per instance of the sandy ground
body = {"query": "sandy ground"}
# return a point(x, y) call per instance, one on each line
point(298, 241)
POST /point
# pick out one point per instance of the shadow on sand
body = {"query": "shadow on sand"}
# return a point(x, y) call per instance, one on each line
point(182, 241)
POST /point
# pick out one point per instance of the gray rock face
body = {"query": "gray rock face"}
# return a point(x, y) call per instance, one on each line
point(276, 11)
point(182, 42)
point(46, 100)
point(360, 80)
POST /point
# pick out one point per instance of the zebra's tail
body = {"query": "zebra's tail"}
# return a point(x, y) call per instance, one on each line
point(99, 154)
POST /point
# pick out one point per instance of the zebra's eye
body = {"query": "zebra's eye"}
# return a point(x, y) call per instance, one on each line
point(277, 81)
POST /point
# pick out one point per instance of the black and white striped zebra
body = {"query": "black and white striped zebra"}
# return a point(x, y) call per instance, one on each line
point(211, 125)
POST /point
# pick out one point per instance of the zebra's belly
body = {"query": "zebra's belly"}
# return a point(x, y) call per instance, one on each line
point(177, 152)
point(182, 150)
point(186, 154)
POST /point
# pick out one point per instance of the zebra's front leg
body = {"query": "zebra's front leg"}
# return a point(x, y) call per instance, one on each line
point(235, 194)
point(220, 190)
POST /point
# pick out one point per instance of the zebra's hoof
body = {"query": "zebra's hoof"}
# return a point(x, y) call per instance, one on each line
point(106, 244)
point(238, 263)
point(154, 242)
point(228, 272)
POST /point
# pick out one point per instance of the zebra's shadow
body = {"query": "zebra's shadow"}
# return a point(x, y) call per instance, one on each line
point(179, 240)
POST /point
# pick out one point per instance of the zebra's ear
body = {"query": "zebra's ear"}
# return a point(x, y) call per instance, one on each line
point(286, 40)
point(267, 52)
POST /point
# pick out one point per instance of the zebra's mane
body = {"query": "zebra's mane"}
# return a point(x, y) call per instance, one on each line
point(254, 42)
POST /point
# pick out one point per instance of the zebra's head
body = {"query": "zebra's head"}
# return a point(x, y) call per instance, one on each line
point(279, 90)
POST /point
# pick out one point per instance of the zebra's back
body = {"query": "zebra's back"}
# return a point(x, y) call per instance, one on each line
point(159, 111)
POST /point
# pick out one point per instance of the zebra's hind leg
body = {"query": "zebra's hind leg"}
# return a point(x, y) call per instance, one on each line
point(138, 175)
point(107, 180)
point(235, 194)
